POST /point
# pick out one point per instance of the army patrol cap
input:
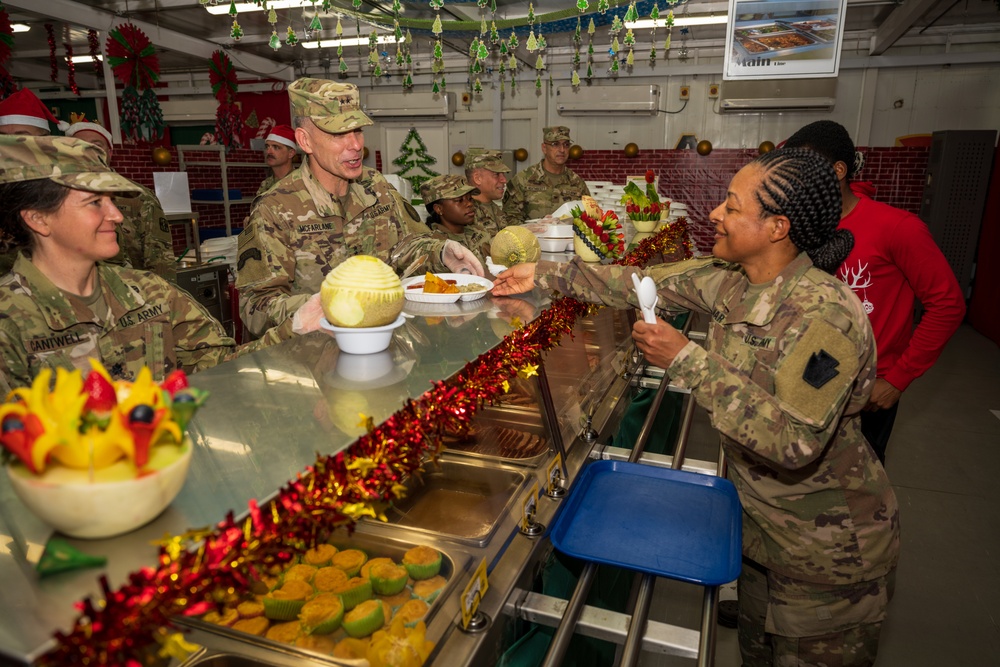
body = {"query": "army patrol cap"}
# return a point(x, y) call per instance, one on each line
point(334, 107)
point(71, 162)
point(481, 158)
point(447, 186)
point(555, 133)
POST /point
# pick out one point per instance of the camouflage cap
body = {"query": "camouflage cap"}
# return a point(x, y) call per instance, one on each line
point(334, 107)
point(72, 162)
point(447, 186)
point(556, 133)
point(481, 158)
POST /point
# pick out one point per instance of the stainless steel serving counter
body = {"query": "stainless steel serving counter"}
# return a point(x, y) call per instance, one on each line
point(271, 412)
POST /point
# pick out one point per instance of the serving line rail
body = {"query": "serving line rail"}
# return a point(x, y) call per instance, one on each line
point(635, 632)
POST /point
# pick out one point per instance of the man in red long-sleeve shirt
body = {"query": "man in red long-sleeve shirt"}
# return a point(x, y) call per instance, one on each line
point(894, 261)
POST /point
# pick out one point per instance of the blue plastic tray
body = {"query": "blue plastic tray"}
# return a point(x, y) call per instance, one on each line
point(665, 522)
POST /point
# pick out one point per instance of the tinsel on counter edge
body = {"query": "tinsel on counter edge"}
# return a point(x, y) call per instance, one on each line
point(198, 569)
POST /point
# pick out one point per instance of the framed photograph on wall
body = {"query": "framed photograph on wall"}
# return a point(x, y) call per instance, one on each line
point(775, 39)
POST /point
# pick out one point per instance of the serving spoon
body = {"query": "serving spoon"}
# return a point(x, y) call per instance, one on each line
point(645, 292)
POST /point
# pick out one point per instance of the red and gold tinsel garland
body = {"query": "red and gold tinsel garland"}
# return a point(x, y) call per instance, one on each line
point(94, 45)
point(191, 580)
point(50, 33)
point(71, 68)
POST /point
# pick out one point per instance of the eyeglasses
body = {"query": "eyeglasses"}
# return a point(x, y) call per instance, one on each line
point(557, 144)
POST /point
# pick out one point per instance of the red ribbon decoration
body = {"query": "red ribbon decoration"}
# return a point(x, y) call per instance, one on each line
point(71, 66)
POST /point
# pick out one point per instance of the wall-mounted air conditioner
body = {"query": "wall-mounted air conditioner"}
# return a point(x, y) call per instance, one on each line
point(778, 95)
point(410, 105)
point(613, 100)
point(189, 110)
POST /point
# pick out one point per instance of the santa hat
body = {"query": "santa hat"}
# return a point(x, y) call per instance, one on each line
point(24, 108)
point(81, 126)
point(283, 135)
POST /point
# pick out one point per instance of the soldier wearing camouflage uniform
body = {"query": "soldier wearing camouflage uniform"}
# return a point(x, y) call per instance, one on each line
point(788, 365)
point(329, 209)
point(449, 201)
point(279, 151)
point(542, 188)
point(486, 171)
point(61, 304)
point(144, 235)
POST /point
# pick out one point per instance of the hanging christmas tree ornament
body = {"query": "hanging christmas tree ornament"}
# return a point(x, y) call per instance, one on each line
point(521, 154)
point(236, 32)
point(315, 25)
point(765, 147)
point(494, 33)
point(340, 27)
point(582, 5)
point(575, 79)
point(602, 6)
point(275, 41)
point(342, 66)
point(631, 150)
point(458, 158)
point(290, 38)
point(631, 15)
point(161, 156)
point(704, 147)
point(532, 44)
point(436, 26)
point(575, 152)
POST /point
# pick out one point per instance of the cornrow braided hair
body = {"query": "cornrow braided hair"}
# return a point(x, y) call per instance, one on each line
point(832, 141)
point(802, 186)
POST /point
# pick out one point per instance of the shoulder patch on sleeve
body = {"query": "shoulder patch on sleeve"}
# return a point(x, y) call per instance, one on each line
point(817, 373)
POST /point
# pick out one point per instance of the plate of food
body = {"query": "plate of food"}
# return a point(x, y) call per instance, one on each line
point(445, 287)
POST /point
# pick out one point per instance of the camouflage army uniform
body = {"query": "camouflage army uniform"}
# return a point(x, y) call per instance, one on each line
point(535, 193)
point(475, 238)
point(138, 319)
point(266, 185)
point(490, 217)
point(298, 232)
point(144, 236)
point(786, 369)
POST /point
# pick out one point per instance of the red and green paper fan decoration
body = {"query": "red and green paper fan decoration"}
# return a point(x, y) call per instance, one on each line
point(228, 117)
point(7, 85)
point(132, 57)
point(222, 76)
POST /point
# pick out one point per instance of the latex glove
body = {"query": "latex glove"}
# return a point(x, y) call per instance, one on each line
point(306, 318)
point(460, 259)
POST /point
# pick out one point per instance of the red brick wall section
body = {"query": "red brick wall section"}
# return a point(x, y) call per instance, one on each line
point(136, 163)
point(701, 181)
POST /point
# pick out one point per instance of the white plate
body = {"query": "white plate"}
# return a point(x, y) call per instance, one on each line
point(459, 278)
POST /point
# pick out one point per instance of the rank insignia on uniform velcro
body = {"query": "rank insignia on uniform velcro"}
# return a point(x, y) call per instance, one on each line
point(822, 368)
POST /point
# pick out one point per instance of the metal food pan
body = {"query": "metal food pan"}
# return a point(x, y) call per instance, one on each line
point(519, 419)
point(220, 639)
point(813, 45)
point(457, 500)
point(756, 30)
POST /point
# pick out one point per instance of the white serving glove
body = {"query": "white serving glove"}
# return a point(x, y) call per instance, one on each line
point(460, 259)
point(306, 318)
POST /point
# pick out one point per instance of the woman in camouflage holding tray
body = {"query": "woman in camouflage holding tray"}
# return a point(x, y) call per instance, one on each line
point(788, 365)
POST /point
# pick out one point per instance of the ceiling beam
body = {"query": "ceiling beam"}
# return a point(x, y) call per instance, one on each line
point(80, 14)
point(27, 71)
point(897, 23)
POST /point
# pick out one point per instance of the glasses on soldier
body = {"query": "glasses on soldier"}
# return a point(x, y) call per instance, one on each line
point(557, 144)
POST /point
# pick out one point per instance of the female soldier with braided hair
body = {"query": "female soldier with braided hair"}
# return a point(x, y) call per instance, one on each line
point(787, 366)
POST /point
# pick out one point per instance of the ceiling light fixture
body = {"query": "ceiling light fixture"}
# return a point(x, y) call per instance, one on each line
point(679, 21)
point(350, 41)
point(241, 7)
point(86, 59)
point(20, 27)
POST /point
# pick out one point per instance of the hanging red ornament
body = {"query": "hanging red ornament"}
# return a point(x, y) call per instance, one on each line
point(71, 68)
point(6, 37)
point(132, 57)
point(95, 51)
point(53, 64)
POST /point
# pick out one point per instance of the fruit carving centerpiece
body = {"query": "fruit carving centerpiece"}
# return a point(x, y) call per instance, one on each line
point(643, 208)
point(361, 292)
point(97, 457)
point(597, 234)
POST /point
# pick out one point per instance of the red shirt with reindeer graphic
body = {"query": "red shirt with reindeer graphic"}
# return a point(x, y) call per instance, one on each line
point(894, 261)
